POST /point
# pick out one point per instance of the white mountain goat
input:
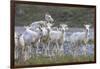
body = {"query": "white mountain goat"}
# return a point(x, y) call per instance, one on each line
point(43, 25)
point(31, 35)
point(48, 18)
point(57, 37)
point(36, 24)
point(45, 39)
point(26, 40)
point(16, 45)
point(61, 41)
point(78, 37)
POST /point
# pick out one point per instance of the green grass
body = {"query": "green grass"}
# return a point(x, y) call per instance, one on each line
point(58, 59)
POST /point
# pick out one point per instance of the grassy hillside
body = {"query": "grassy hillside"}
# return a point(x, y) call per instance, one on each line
point(73, 16)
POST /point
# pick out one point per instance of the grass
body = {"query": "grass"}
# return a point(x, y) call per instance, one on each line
point(58, 59)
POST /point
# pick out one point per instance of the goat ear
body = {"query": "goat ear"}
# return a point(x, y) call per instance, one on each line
point(40, 28)
point(85, 25)
point(88, 26)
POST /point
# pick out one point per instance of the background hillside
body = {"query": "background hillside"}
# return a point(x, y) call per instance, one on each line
point(73, 16)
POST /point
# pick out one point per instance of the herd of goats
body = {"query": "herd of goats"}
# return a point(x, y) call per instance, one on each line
point(42, 35)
